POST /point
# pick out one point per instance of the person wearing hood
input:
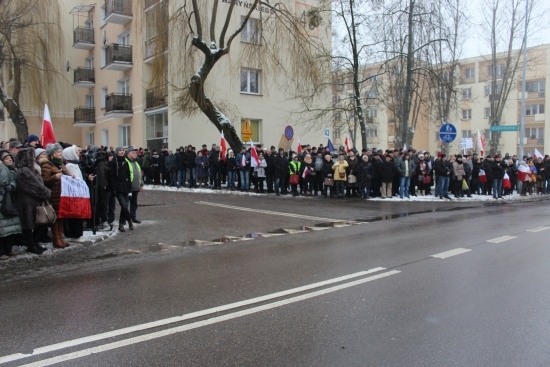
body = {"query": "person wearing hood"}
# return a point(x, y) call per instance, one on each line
point(53, 169)
point(9, 224)
point(31, 192)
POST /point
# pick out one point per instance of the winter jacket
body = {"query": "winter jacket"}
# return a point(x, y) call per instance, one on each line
point(327, 168)
point(270, 161)
point(201, 165)
point(146, 164)
point(8, 225)
point(231, 164)
point(402, 168)
point(260, 170)
point(240, 161)
point(49, 172)
point(458, 170)
point(365, 172)
point(443, 168)
point(387, 171)
point(120, 175)
point(171, 164)
point(498, 169)
point(281, 165)
point(31, 190)
point(190, 159)
point(339, 168)
point(180, 161)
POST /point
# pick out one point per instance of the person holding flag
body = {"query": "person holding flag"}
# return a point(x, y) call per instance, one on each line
point(308, 175)
point(259, 171)
point(243, 161)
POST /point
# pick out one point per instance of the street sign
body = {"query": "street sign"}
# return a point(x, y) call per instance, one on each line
point(246, 131)
point(447, 133)
point(499, 128)
point(289, 132)
point(327, 133)
point(466, 143)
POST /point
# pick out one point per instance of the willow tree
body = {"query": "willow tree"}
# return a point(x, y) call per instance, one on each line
point(201, 33)
point(31, 44)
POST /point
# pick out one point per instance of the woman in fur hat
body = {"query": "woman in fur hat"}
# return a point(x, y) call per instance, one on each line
point(30, 193)
point(52, 171)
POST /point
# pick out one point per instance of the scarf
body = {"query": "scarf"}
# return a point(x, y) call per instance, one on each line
point(58, 162)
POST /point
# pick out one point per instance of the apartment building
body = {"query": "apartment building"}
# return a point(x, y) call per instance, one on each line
point(469, 113)
point(114, 46)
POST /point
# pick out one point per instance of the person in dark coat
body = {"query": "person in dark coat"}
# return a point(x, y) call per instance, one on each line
point(387, 173)
point(180, 165)
point(231, 168)
point(365, 173)
point(31, 192)
point(9, 224)
point(171, 169)
point(119, 176)
point(190, 156)
point(280, 172)
point(327, 172)
point(270, 171)
point(201, 166)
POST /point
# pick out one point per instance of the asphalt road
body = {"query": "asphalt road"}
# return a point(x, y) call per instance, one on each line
point(304, 290)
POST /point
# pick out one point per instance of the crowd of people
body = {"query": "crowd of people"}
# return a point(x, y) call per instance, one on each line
point(34, 173)
point(31, 175)
point(370, 173)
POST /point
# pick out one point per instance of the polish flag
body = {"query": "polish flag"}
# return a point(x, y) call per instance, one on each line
point(405, 147)
point(47, 129)
point(506, 184)
point(538, 154)
point(523, 171)
point(223, 146)
point(299, 149)
point(254, 159)
point(480, 143)
point(74, 201)
point(243, 161)
point(347, 144)
point(305, 173)
point(482, 176)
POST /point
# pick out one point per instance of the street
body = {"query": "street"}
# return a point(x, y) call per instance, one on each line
point(227, 280)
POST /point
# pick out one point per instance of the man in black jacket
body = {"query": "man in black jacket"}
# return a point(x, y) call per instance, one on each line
point(270, 170)
point(498, 170)
point(190, 156)
point(281, 169)
point(487, 166)
point(180, 165)
point(443, 170)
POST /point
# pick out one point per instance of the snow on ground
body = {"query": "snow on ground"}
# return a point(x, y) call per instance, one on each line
point(475, 198)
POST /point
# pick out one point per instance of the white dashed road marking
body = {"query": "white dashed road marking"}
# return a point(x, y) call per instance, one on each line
point(446, 254)
point(538, 229)
point(501, 239)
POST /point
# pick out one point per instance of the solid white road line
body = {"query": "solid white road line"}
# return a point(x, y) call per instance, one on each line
point(153, 324)
point(198, 324)
point(538, 229)
point(501, 239)
point(450, 253)
point(270, 212)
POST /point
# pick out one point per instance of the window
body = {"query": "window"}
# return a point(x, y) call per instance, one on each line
point(466, 134)
point(372, 113)
point(441, 93)
point(102, 16)
point(250, 81)
point(372, 133)
point(123, 86)
point(104, 92)
point(469, 73)
point(487, 112)
point(124, 39)
point(533, 109)
point(103, 57)
point(89, 101)
point(255, 127)
point(90, 138)
point(446, 76)
point(467, 114)
point(335, 134)
point(537, 86)
point(156, 129)
point(489, 90)
point(497, 70)
point(534, 132)
point(371, 94)
point(340, 84)
point(337, 116)
point(124, 136)
point(467, 93)
point(89, 62)
point(251, 31)
point(105, 137)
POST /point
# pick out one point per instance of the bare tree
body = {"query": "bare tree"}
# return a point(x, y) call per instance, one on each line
point(31, 43)
point(275, 40)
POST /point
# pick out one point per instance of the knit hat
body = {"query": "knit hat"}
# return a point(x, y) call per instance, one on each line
point(4, 154)
point(443, 155)
point(15, 144)
point(118, 149)
point(497, 156)
point(32, 138)
point(52, 148)
point(38, 151)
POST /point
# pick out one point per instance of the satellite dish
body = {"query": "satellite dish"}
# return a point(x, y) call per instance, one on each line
point(104, 37)
point(68, 66)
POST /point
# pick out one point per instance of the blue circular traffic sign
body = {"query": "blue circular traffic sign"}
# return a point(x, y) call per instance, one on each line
point(289, 132)
point(447, 133)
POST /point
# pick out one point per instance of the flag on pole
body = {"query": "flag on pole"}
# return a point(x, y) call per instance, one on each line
point(223, 146)
point(480, 143)
point(47, 136)
point(347, 144)
point(330, 146)
point(254, 159)
point(299, 149)
point(538, 154)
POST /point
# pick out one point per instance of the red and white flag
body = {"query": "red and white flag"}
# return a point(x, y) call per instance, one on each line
point(506, 184)
point(223, 146)
point(538, 154)
point(523, 171)
point(47, 136)
point(482, 176)
point(254, 159)
point(299, 149)
point(347, 144)
point(305, 173)
point(480, 143)
point(74, 201)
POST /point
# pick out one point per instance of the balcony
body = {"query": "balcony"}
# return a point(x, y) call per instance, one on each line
point(118, 105)
point(118, 57)
point(84, 77)
point(156, 97)
point(118, 11)
point(84, 117)
point(83, 38)
point(155, 46)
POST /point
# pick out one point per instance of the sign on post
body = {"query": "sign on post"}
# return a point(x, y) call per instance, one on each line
point(447, 133)
point(500, 128)
point(466, 143)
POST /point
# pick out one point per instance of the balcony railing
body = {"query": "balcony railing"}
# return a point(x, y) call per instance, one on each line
point(84, 116)
point(155, 45)
point(83, 38)
point(118, 11)
point(118, 57)
point(119, 104)
point(156, 97)
point(84, 77)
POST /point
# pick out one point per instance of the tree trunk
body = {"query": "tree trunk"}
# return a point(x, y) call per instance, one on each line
point(16, 115)
point(219, 120)
point(408, 81)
